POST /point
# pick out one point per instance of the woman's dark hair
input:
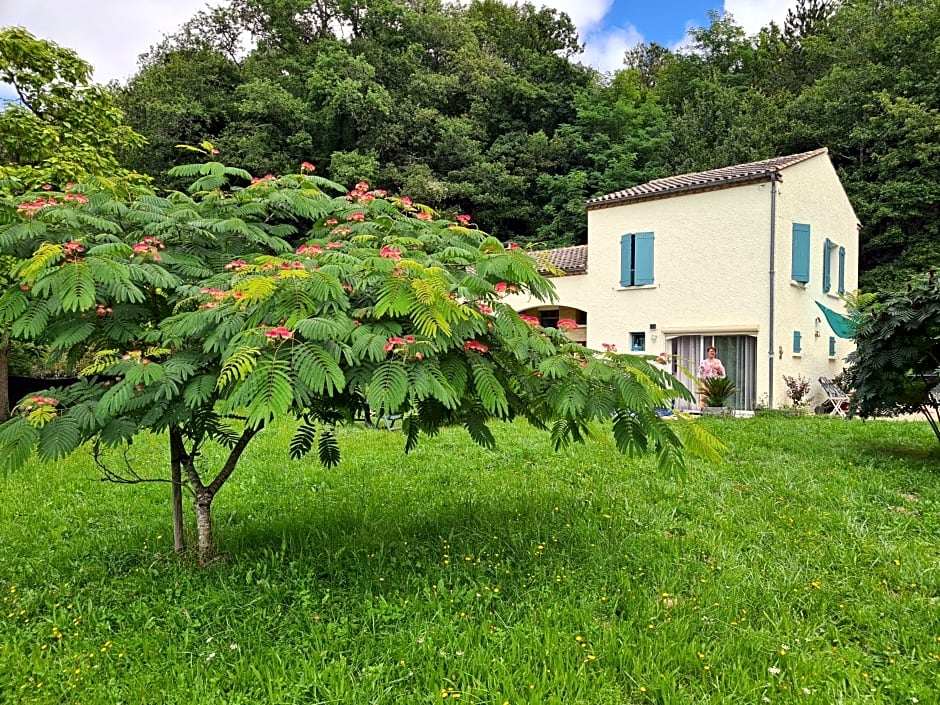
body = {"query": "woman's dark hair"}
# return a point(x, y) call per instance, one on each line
point(712, 347)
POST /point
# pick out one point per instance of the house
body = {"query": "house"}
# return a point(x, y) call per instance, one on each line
point(738, 257)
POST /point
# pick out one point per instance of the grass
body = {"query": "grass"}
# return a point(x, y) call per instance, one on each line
point(805, 568)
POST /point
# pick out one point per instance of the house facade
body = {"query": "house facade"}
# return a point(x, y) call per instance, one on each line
point(739, 258)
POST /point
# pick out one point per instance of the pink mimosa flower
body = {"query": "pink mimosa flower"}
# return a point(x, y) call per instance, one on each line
point(530, 320)
point(475, 346)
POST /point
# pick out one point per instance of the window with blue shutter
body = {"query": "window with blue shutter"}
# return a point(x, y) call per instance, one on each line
point(797, 340)
point(644, 259)
point(832, 346)
point(636, 259)
point(841, 270)
point(626, 260)
point(827, 266)
point(799, 266)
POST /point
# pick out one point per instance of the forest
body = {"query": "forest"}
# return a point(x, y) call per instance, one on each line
point(485, 108)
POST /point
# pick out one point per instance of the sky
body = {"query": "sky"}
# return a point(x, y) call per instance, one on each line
point(110, 34)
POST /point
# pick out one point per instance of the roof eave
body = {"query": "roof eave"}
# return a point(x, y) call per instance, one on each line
point(684, 190)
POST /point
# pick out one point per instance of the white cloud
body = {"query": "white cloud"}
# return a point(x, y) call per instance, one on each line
point(109, 34)
point(586, 14)
point(604, 51)
point(754, 14)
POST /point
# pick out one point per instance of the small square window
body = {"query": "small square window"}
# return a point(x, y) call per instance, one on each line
point(549, 318)
point(638, 342)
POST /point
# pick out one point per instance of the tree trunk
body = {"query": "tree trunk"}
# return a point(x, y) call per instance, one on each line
point(4, 377)
point(177, 450)
point(206, 493)
point(203, 506)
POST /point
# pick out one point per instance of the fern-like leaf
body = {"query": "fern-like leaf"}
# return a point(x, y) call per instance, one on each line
point(13, 303)
point(317, 369)
point(17, 440)
point(267, 392)
point(199, 390)
point(328, 449)
point(490, 391)
point(304, 438)
point(58, 438)
point(32, 322)
point(238, 366)
point(388, 387)
point(480, 432)
point(411, 429)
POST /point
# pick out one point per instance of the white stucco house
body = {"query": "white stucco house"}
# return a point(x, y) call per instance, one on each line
point(736, 257)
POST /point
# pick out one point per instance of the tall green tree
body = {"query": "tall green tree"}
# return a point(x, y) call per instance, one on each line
point(876, 107)
point(61, 128)
point(455, 102)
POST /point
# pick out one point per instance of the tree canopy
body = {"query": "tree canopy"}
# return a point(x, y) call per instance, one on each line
point(247, 299)
point(485, 108)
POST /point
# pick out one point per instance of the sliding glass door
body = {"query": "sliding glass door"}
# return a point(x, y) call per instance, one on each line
point(738, 353)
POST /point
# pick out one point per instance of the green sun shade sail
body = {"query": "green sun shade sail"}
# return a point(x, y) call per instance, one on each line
point(841, 325)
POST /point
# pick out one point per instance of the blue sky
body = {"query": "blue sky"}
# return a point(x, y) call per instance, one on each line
point(110, 34)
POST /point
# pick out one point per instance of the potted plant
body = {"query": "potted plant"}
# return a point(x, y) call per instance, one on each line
point(797, 392)
point(715, 393)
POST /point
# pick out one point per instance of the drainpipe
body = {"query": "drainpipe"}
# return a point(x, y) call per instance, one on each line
point(773, 251)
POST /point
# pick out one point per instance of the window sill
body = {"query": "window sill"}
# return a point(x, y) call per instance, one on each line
point(799, 354)
point(633, 288)
point(799, 285)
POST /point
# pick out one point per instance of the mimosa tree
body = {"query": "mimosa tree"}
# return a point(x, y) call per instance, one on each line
point(219, 312)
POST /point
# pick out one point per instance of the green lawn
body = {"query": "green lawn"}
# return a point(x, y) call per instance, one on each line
point(805, 568)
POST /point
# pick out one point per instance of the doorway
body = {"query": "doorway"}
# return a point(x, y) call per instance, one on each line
point(738, 353)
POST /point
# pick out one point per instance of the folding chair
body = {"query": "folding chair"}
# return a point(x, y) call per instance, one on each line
point(835, 397)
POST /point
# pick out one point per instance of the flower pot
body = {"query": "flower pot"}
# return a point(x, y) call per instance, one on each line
point(717, 411)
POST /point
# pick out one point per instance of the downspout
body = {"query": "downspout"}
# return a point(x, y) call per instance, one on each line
point(773, 253)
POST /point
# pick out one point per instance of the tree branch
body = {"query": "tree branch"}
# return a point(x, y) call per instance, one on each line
point(232, 459)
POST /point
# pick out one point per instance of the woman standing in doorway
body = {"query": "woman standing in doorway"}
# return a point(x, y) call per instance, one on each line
point(709, 368)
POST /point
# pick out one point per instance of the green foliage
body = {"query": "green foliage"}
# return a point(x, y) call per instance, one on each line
point(208, 327)
point(895, 367)
point(482, 108)
point(62, 128)
point(373, 554)
point(717, 390)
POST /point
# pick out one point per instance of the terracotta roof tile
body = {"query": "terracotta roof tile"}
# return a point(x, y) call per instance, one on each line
point(703, 180)
point(570, 260)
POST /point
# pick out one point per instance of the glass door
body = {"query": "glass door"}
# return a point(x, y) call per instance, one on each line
point(738, 354)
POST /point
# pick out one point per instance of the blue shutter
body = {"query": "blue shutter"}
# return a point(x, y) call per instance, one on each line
point(644, 259)
point(841, 270)
point(827, 275)
point(796, 341)
point(832, 346)
point(799, 267)
point(626, 260)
